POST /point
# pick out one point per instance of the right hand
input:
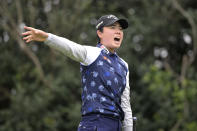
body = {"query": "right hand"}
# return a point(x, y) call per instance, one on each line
point(33, 34)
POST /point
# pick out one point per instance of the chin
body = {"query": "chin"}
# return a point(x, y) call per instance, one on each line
point(116, 47)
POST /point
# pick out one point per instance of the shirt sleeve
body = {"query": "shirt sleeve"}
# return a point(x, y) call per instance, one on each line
point(126, 106)
point(80, 53)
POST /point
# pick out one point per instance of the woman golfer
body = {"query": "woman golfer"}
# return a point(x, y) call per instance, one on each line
point(105, 76)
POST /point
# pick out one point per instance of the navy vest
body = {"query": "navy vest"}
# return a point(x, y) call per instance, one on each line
point(103, 83)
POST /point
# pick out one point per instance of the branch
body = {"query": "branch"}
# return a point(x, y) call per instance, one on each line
point(185, 62)
point(19, 11)
point(177, 125)
point(14, 31)
point(32, 12)
point(6, 15)
point(168, 67)
point(190, 20)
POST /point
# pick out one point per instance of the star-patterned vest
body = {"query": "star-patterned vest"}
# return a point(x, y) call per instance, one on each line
point(103, 83)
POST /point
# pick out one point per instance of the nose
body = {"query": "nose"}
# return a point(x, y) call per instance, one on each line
point(118, 31)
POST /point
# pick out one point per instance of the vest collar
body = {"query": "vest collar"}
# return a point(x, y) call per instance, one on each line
point(106, 50)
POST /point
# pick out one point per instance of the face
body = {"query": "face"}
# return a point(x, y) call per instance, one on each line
point(111, 37)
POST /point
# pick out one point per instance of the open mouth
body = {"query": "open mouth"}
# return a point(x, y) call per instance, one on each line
point(116, 39)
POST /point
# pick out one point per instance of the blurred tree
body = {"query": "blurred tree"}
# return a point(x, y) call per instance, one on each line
point(40, 88)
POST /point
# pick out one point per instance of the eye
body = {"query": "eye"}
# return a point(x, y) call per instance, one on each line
point(113, 27)
point(120, 28)
point(116, 27)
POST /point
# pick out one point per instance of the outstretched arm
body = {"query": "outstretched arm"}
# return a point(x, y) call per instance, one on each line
point(84, 54)
point(69, 48)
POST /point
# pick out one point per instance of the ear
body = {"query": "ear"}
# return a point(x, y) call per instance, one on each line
point(99, 33)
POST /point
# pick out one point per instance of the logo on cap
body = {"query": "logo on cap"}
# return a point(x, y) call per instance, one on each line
point(112, 16)
point(99, 24)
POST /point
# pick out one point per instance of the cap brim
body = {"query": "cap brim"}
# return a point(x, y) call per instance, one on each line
point(123, 23)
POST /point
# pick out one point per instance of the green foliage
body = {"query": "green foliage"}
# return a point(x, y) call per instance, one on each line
point(168, 99)
point(161, 98)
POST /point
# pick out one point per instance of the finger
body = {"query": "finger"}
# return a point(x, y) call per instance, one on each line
point(27, 33)
point(28, 40)
point(29, 28)
point(27, 37)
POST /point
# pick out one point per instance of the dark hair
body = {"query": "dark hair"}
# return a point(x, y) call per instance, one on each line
point(101, 30)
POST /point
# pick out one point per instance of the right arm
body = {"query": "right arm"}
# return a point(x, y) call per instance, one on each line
point(84, 54)
point(69, 48)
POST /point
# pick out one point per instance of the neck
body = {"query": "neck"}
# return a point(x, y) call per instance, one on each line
point(109, 49)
